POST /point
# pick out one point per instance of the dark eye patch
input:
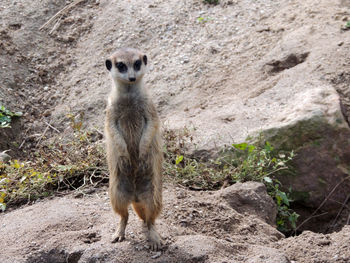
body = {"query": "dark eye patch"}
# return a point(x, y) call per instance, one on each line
point(108, 64)
point(137, 65)
point(121, 67)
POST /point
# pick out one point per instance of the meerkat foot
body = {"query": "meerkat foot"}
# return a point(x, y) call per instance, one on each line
point(117, 238)
point(154, 239)
point(119, 235)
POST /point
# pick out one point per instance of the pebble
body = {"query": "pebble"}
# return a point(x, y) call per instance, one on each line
point(4, 157)
point(157, 255)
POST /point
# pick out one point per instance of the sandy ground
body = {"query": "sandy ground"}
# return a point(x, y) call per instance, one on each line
point(210, 66)
point(195, 227)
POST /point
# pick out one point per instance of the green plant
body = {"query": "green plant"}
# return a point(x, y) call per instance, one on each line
point(237, 163)
point(203, 19)
point(263, 164)
point(56, 166)
point(6, 116)
point(255, 162)
point(286, 217)
point(194, 174)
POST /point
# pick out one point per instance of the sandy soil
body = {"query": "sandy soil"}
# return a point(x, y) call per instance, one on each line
point(219, 62)
point(195, 227)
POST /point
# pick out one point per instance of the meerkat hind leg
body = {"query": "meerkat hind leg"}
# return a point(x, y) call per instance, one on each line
point(153, 238)
point(152, 235)
point(140, 210)
point(149, 229)
point(119, 235)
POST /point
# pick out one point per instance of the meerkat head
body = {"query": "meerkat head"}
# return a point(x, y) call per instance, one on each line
point(127, 65)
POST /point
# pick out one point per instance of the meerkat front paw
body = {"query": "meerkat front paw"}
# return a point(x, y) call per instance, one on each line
point(119, 235)
point(117, 238)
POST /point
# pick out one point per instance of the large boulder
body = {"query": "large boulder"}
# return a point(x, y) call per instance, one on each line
point(313, 124)
point(250, 198)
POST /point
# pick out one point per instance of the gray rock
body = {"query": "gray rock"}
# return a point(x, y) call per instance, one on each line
point(267, 255)
point(251, 198)
point(4, 157)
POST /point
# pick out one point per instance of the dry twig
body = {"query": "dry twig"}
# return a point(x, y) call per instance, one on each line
point(323, 202)
point(339, 212)
point(55, 129)
point(60, 13)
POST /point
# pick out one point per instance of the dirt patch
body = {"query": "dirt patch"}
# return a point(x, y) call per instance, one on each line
point(218, 53)
point(313, 247)
point(195, 227)
point(33, 61)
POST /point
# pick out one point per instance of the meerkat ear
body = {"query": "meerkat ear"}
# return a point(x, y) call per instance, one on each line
point(108, 64)
point(144, 59)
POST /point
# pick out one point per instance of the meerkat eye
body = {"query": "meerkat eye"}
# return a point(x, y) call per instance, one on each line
point(137, 65)
point(121, 67)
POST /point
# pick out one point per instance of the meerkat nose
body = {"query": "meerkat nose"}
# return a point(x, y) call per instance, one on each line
point(132, 79)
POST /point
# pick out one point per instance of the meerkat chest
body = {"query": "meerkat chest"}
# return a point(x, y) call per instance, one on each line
point(131, 119)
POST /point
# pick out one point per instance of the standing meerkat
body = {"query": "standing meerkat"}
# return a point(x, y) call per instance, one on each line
point(134, 148)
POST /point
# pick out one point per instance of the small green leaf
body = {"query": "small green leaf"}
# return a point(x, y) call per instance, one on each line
point(283, 197)
point(179, 159)
point(268, 147)
point(251, 148)
point(268, 179)
point(240, 146)
point(293, 219)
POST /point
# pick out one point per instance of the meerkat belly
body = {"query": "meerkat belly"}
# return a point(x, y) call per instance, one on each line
point(131, 121)
point(132, 126)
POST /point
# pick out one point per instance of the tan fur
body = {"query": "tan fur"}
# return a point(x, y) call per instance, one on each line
point(134, 148)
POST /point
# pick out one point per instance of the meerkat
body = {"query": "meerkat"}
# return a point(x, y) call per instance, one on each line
point(133, 143)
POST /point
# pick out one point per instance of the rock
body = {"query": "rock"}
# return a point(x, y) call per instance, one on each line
point(156, 255)
point(54, 255)
point(311, 123)
point(267, 255)
point(197, 248)
point(289, 61)
point(4, 157)
point(251, 198)
point(194, 247)
point(320, 138)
